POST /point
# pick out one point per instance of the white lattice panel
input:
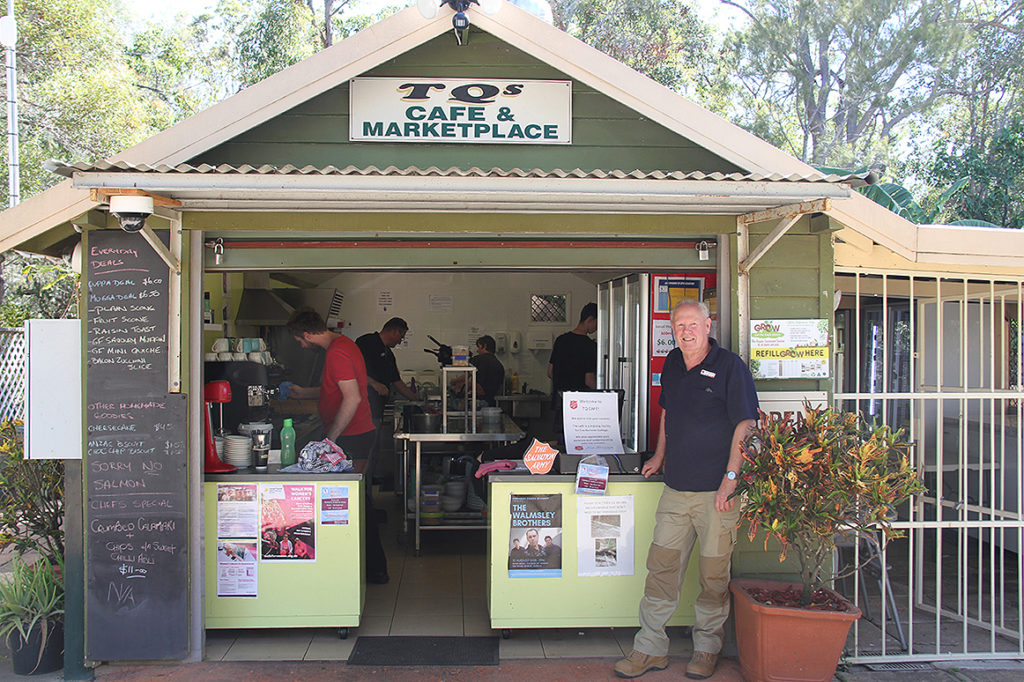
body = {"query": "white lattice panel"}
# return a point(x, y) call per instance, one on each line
point(12, 374)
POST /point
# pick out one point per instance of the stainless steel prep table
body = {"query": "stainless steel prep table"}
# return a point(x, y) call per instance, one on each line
point(505, 432)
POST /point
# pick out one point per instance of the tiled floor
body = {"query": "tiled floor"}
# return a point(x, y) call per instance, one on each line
point(440, 592)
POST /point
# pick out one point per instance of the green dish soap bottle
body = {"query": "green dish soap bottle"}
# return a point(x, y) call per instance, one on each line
point(287, 444)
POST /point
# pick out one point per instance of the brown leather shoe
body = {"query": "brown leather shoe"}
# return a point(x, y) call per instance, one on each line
point(702, 665)
point(637, 663)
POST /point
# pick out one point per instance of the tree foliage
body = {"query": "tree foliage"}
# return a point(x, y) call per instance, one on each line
point(843, 73)
point(77, 95)
point(994, 171)
point(662, 39)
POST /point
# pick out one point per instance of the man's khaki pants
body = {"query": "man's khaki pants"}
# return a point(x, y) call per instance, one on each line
point(681, 519)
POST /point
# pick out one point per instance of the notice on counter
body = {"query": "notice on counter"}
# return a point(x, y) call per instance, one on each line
point(334, 505)
point(591, 422)
point(604, 527)
point(287, 530)
point(789, 349)
point(237, 511)
point(237, 570)
point(535, 536)
point(591, 478)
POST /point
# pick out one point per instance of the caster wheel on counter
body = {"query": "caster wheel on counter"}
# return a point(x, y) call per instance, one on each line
point(342, 633)
point(505, 633)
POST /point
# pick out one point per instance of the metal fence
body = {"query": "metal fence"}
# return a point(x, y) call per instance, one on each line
point(939, 356)
point(12, 374)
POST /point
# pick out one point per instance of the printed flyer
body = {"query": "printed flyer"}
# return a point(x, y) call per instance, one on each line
point(334, 505)
point(287, 531)
point(237, 510)
point(605, 535)
point(789, 349)
point(535, 536)
point(237, 570)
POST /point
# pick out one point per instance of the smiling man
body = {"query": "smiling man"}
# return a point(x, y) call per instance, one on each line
point(708, 404)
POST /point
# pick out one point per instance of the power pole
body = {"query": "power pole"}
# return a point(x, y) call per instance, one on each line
point(8, 39)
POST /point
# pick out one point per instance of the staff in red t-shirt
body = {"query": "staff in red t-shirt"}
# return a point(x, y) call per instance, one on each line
point(345, 412)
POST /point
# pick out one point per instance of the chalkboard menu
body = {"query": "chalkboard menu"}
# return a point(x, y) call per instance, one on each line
point(135, 468)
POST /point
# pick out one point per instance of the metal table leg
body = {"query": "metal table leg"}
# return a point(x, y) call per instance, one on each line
point(416, 499)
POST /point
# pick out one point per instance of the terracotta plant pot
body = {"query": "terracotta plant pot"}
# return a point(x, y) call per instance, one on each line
point(784, 643)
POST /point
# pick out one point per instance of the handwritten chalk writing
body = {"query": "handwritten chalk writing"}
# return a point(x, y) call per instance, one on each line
point(122, 595)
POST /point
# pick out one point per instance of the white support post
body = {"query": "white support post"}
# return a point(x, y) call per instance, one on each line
point(743, 290)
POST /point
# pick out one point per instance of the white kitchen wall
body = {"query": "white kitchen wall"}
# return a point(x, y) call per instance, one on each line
point(456, 308)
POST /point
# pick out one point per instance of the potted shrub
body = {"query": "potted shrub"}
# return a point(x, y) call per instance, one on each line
point(32, 616)
point(808, 479)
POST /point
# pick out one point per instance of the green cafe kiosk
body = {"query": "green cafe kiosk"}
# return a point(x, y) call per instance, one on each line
point(501, 164)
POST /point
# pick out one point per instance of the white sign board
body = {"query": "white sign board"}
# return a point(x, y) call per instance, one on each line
point(460, 110)
point(53, 389)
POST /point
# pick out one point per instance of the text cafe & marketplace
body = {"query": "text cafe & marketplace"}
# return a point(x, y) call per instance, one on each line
point(521, 149)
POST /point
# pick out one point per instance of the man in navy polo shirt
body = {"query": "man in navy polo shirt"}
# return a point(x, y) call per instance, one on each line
point(708, 405)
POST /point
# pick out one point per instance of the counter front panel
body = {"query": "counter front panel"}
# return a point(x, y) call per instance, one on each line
point(325, 591)
point(574, 600)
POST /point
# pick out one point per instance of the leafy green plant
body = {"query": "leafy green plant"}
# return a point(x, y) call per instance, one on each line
point(810, 477)
point(31, 498)
point(900, 201)
point(31, 596)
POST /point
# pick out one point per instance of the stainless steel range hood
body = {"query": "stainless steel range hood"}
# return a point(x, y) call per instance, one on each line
point(261, 306)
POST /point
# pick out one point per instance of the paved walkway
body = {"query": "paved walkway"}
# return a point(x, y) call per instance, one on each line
point(520, 670)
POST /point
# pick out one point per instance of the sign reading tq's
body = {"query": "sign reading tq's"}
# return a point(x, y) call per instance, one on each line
point(460, 110)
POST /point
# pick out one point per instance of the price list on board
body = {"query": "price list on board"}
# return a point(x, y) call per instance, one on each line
point(135, 465)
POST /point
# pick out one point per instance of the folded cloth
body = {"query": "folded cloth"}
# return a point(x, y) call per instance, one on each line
point(499, 465)
point(322, 456)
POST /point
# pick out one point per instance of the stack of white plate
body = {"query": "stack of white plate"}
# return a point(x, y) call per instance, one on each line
point(238, 450)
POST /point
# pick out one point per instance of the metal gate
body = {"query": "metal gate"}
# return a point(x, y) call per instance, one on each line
point(939, 356)
point(12, 374)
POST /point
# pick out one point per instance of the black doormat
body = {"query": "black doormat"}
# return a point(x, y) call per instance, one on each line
point(387, 651)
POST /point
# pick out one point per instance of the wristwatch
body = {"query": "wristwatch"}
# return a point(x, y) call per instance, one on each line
point(731, 475)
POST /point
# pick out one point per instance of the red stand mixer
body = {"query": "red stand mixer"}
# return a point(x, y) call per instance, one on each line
point(215, 392)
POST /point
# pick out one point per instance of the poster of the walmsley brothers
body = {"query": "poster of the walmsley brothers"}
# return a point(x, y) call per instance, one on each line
point(535, 536)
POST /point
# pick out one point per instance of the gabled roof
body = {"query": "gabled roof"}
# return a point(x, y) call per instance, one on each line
point(406, 30)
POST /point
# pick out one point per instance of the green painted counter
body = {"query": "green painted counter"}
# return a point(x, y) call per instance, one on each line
point(572, 600)
point(606, 601)
point(326, 593)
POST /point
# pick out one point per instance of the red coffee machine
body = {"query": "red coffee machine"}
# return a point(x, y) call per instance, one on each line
point(215, 392)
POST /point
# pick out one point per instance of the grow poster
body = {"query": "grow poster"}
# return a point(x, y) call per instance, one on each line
point(789, 349)
point(535, 536)
point(287, 529)
point(604, 528)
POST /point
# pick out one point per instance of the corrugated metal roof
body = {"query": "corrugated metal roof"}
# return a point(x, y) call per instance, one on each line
point(68, 170)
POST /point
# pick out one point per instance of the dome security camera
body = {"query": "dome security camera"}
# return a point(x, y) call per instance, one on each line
point(131, 211)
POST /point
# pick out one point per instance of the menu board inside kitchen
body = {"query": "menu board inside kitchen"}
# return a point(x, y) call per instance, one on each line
point(135, 460)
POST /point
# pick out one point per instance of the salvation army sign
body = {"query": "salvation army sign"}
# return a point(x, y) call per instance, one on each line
point(460, 110)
